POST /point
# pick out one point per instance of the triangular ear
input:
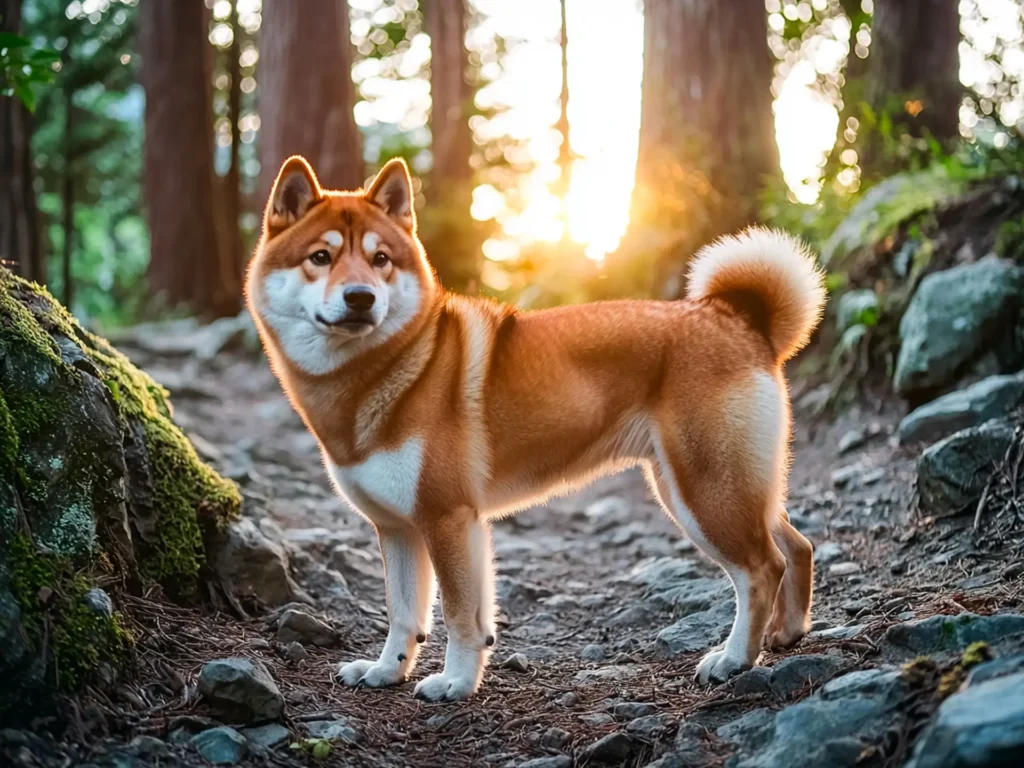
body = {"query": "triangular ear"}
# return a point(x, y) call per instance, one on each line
point(392, 191)
point(295, 191)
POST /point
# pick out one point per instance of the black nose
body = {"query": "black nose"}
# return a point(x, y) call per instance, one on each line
point(359, 297)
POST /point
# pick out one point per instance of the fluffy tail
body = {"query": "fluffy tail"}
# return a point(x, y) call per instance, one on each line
point(769, 275)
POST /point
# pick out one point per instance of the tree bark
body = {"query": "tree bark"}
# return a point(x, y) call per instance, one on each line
point(306, 92)
point(913, 65)
point(706, 125)
point(185, 261)
point(19, 217)
point(448, 230)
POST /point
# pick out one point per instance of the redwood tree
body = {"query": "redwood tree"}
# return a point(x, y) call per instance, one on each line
point(185, 260)
point(447, 227)
point(706, 128)
point(306, 91)
point(19, 228)
point(913, 70)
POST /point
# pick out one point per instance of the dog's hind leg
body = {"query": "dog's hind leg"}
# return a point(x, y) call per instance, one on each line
point(792, 617)
point(725, 509)
point(409, 578)
point(460, 548)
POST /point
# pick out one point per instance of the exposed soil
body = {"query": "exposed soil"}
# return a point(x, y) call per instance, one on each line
point(566, 579)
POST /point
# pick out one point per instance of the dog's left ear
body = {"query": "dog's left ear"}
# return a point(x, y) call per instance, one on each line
point(392, 191)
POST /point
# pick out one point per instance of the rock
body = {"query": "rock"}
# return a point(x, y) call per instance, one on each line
point(857, 307)
point(755, 680)
point(837, 633)
point(540, 653)
point(828, 552)
point(749, 731)
point(990, 670)
point(99, 602)
point(795, 673)
point(333, 729)
point(698, 631)
point(950, 633)
point(592, 652)
point(252, 565)
point(980, 726)
point(954, 316)
point(855, 438)
point(554, 738)
point(843, 569)
point(220, 746)
point(845, 475)
point(240, 690)
point(692, 595)
point(149, 746)
point(614, 749)
point(952, 473)
point(664, 572)
point(884, 685)
point(269, 735)
point(569, 699)
point(629, 710)
point(356, 564)
point(611, 673)
point(824, 734)
point(880, 211)
point(517, 662)
point(597, 719)
point(555, 761)
point(295, 652)
point(299, 627)
point(648, 727)
point(987, 399)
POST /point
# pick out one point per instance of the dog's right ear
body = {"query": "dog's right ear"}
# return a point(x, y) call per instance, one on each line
point(295, 191)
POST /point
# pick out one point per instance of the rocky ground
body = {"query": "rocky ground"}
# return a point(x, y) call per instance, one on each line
point(605, 611)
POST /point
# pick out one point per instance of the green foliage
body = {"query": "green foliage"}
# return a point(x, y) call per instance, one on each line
point(101, 155)
point(23, 66)
point(51, 596)
point(320, 749)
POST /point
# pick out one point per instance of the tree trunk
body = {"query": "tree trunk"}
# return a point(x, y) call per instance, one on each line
point(448, 230)
point(306, 92)
point(707, 138)
point(19, 217)
point(231, 238)
point(185, 261)
point(913, 67)
point(564, 148)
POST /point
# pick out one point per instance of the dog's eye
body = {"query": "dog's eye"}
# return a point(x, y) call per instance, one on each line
point(380, 259)
point(320, 258)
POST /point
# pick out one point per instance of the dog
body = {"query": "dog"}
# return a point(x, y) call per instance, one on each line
point(436, 413)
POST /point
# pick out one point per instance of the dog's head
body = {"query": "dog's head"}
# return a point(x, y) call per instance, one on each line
point(336, 273)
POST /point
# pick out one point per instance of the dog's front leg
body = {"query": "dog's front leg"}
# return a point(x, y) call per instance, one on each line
point(460, 547)
point(409, 578)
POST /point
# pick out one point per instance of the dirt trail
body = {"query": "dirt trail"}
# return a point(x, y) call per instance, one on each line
point(585, 585)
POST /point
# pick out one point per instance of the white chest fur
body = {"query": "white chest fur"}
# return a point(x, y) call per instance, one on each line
point(383, 487)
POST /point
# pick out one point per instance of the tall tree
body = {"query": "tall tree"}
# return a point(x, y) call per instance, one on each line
point(185, 261)
point(19, 228)
point(912, 73)
point(450, 183)
point(706, 127)
point(306, 91)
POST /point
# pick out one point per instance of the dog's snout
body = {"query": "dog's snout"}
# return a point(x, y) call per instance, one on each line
point(359, 297)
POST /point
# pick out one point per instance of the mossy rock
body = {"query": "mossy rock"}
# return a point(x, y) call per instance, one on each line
point(882, 211)
point(96, 483)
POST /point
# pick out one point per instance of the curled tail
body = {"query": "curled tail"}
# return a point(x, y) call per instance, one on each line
point(771, 276)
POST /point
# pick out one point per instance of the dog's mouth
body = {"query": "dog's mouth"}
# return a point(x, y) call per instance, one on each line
point(355, 324)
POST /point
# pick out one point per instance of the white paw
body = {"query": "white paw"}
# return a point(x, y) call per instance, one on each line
point(445, 687)
point(372, 674)
point(718, 666)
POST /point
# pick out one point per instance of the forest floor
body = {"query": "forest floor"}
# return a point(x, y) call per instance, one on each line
point(603, 567)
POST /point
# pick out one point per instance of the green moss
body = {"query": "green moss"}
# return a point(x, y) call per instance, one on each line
point(8, 438)
point(51, 596)
point(189, 498)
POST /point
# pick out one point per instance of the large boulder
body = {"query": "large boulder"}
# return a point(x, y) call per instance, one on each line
point(95, 481)
point(981, 726)
point(987, 399)
point(954, 318)
point(952, 473)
